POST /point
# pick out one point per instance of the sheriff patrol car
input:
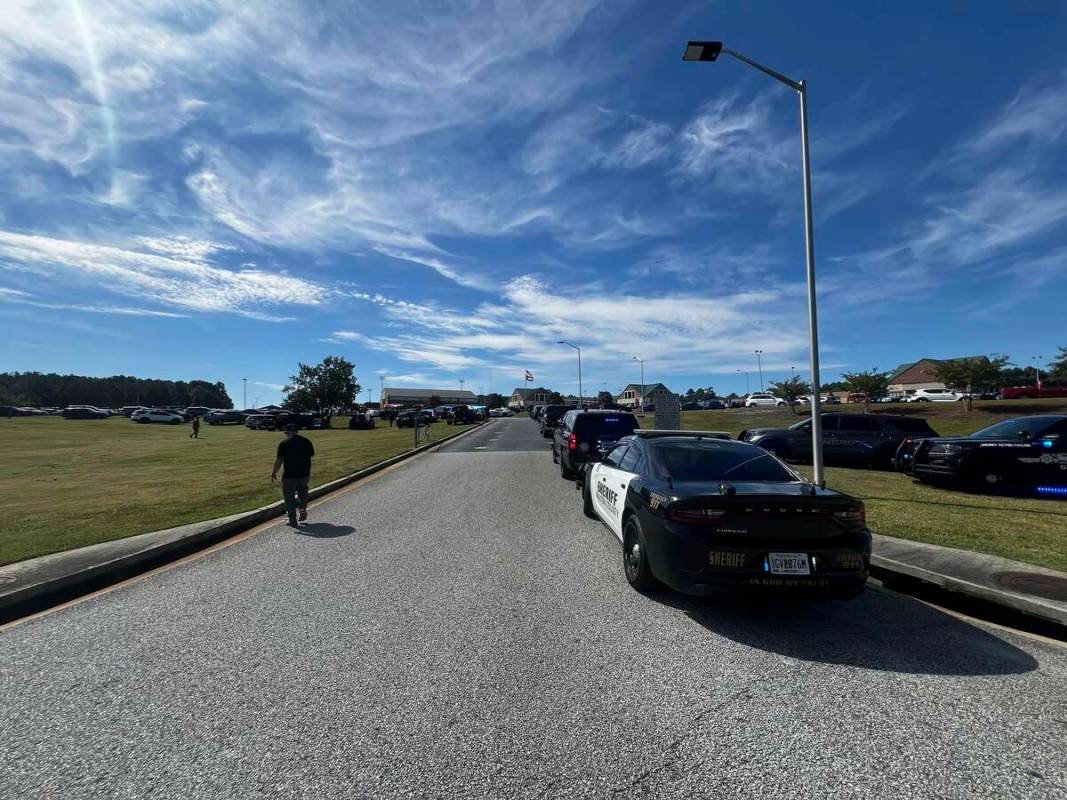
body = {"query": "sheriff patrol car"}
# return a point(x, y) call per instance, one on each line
point(698, 512)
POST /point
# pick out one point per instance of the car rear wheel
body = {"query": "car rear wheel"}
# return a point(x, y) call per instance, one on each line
point(634, 558)
point(564, 471)
point(587, 499)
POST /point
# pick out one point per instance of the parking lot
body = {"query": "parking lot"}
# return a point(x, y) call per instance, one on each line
point(456, 627)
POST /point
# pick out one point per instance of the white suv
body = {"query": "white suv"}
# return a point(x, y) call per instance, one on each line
point(762, 399)
point(935, 396)
point(146, 415)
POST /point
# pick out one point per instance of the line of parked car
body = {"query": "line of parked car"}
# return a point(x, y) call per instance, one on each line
point(699, 511)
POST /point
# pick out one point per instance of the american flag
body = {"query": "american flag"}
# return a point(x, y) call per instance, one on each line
point(529, 375)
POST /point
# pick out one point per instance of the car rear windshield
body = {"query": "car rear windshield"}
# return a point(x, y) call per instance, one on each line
point(1013, 428)
point(614, 425)
point(710, 460)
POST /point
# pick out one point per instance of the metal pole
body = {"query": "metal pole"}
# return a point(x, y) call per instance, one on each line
point(813, 318)
point(579, 376)
point(245, 382)
point(759, 366)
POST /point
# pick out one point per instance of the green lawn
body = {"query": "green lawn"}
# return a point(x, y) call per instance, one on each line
point(69, 483)
point(1028, 530)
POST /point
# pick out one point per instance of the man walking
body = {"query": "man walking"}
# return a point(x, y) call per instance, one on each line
point(295, 452)
point(196, 428)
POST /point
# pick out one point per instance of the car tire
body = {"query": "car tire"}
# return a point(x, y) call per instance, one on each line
point(564, 472)
point(635, 559)
point(587, 499)
point(555, 457)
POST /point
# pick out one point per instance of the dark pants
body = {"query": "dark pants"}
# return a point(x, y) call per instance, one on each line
point(295, 493)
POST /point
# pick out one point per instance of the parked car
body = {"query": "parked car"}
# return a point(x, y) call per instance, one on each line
point(148, 415)
point(763, 400)
point(413, 417)
point(226, 417)
point(260, 422)
point(535, 413)
point(360, 422)
point(869, 440)
point(462, 415)
point(12, 411)
point(501, 412)
point(85, 412)
point(700, 514)
point(585, 436)
point(196, 411)
point(550, 417)
point(1042, 390)
point(1027, 454)
point(935, 396)
point(692, 406)
point(712, 404)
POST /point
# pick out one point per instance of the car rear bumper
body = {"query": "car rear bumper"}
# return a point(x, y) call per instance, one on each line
point(700, 567)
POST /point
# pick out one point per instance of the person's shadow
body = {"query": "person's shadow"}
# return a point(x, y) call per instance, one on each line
point(879, 630)
point(324, 530)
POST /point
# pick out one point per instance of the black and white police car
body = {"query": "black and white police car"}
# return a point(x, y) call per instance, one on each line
point(699, 512)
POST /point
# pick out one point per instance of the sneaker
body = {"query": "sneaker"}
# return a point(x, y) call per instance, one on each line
point(303, 514)
point(293, 523)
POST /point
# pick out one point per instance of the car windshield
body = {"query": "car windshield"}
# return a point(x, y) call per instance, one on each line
point(1021, 427)
point(713, 460)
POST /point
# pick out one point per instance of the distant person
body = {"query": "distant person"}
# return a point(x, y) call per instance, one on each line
point(392, 418)
point(295, 452)
point(196, 428)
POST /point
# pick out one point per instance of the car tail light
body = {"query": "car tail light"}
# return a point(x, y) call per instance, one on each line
point(695, 515)
point(572, 442)
point(852, 517)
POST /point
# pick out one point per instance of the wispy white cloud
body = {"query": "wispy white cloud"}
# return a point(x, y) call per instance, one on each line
point(187, 283)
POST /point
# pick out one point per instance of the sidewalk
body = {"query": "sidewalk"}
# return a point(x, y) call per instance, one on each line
point(1021, 587)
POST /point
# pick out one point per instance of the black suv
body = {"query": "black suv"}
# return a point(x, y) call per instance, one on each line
point(584, 436)
point(462, 415)
point(550, 417)
point(870, 440)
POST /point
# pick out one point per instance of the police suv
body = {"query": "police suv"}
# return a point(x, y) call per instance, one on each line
point(699, 512)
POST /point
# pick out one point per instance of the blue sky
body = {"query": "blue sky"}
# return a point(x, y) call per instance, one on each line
point(441, 191)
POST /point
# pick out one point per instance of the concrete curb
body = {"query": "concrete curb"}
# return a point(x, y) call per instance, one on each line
point(976, 580)
point(37, 583)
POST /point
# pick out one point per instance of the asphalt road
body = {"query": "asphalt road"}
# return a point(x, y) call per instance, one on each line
point(456, 628)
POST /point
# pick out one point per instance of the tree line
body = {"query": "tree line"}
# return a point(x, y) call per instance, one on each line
point(53, 390)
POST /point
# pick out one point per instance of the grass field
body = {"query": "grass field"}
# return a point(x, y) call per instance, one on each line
point(1028, 530)
point(69, 483)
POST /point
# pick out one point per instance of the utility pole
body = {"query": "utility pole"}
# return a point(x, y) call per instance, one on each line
point(759, 366)
point(747, 392)
point(641, 361)
point(245, 382)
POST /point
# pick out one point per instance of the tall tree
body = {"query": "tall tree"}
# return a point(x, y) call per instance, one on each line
point(790, 390)
point(495, 400)
point(605, 398)
point(972, 374)
point(322, 387)
point(871, 383)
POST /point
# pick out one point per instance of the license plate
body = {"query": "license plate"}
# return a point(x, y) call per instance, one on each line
point(789, 563)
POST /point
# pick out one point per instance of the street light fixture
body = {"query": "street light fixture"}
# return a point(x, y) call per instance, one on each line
point(576, 347)
point(710, 51)
point(759, 366)
point(642, 362)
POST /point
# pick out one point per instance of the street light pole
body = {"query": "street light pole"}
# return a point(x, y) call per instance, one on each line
point(245, 382)
point(1037, 370)
point(576, 347)
point(710, 51)
point(746, 381)
point(759, 366)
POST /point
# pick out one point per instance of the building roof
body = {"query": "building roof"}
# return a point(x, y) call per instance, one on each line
point(902, 368)
point(428, 393)
point(649, 388)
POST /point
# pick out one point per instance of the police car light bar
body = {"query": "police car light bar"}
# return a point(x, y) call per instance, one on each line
point(1060, 491)
point(650, 433)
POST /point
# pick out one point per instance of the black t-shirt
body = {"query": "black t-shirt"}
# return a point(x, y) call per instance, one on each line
point(295, 453)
